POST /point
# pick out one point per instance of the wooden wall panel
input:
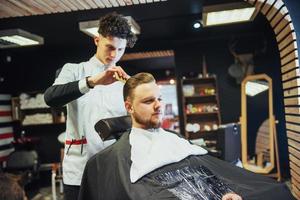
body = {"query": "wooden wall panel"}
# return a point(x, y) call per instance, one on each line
point(292, 101)
point(291, 92)
point(291, 65)
point(99, 3)
point(288, 49)
point(293, 127)
point(290, 38)
point(45, 5)
point(297, 162)
point(24, 6)
point(296, 191)
point(69, 4)
point(283, 33)
point(122, 3)
point(114, 3)
point(290, 57)
point(295, 145)
point(295, 188)
point(107, 3)
point(39, 5)
point(290, 75)
point(274, 10)
point(92, 4)
point(291, 83)
point(259, 4)
point(279, 16)
point(267, 6)
point(9, 8)
point(292, 118)
point(283, 23)
point(295, 153)
point(18, 8)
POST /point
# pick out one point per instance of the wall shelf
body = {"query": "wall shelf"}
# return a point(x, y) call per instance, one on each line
point(201, 110)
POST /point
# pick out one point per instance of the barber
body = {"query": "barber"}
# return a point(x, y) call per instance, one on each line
point(91, 92)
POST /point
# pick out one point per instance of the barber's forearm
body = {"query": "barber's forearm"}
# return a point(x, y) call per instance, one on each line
point(60, 95)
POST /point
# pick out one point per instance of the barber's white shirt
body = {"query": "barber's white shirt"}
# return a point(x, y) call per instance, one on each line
point(103, 101)
point(151, 149)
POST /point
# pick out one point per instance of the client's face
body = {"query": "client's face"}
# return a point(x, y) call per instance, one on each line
point(146, 106)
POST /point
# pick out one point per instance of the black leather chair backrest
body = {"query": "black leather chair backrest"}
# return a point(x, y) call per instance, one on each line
point(113, 128)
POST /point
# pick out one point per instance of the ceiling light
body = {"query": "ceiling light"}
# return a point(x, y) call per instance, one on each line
point(228, 13)
point(91, 27)
point(17, 37)
point(197, 25)
point(255, 87)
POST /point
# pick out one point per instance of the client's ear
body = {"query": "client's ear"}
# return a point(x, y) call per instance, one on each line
point(128, 106)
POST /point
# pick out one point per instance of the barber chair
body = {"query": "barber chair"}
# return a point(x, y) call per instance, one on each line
point(25, 164)
point(113, 128)
point(24, 161)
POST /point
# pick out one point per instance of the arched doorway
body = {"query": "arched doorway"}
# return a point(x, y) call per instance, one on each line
point(280, 20)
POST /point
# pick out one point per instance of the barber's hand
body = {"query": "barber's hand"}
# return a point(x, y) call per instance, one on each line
point(231, 196)
point(108, 76)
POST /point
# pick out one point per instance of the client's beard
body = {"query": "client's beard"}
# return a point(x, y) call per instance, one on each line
point(147, 123)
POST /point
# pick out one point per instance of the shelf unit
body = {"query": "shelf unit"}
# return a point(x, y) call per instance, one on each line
point(46, 132)
point(201, 110)
point(35, 116)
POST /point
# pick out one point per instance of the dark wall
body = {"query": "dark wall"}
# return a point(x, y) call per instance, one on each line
point(188, 59)
point(32, 69)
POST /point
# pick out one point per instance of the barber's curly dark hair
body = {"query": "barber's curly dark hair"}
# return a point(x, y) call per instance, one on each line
point(116, 25)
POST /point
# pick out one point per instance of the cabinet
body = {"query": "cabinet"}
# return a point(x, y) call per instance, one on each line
point(201, 110)
point(30, 109)
point(32, 118)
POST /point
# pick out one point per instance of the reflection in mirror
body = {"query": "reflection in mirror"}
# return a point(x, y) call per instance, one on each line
point(257, 126)
point(259, 145)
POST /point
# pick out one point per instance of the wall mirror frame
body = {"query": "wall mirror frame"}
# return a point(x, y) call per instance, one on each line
point(272, 148)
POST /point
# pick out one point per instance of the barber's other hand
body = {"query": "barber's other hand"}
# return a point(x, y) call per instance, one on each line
point(231, 196)
point(107, 77)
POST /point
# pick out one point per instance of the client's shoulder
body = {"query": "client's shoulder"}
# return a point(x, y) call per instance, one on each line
point(121, 146)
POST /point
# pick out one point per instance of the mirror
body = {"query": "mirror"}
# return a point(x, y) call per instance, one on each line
point(259, 143)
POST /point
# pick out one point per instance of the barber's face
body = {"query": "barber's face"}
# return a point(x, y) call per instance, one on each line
point(145, 107)
point(109, 49)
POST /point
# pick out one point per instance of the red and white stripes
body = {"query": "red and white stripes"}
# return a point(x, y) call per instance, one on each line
point(6, 129)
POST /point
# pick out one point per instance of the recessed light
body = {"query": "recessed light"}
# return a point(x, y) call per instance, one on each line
point(197, 25)
point(11, 38)
point(228, 13)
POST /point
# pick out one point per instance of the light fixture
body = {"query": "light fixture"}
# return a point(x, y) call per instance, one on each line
point(91, 27)
point(172, 81)
point(197, 24)
point(17, 37)
point(255, 87)
point(228, 13)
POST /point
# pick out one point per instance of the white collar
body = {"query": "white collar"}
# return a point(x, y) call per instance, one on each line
point(96, 65)
point(151, 150)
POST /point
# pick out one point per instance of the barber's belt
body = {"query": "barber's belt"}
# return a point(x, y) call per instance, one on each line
point(76, 142)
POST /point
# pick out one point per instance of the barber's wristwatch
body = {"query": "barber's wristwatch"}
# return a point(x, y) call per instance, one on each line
point(87, 82)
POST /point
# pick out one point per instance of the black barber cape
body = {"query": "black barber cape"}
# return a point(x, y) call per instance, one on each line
point(107, 177)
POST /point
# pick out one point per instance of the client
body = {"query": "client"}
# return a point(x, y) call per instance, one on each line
point(148, 162)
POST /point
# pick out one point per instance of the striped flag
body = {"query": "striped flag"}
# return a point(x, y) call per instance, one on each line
point(6, 129)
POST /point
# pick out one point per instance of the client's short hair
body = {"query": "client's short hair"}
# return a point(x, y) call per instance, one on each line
point(135, 81)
